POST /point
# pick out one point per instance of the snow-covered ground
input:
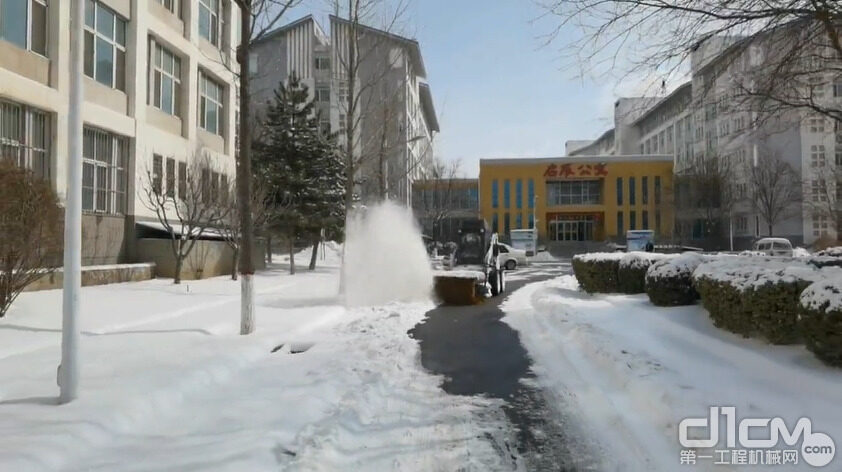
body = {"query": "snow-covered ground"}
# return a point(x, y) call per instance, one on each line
point(630, 372)
point(168, 384)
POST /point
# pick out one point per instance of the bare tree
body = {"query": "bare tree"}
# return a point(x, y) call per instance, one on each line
point(230, 228)
point(257, 18)
point(775, 188)
point(187, 209)
point(823, 197)
point(705, 194)
point(434, 196)
point(779, 55)
point(30, 231)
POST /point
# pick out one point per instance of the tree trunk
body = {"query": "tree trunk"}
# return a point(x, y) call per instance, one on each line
point(246, 263)
point(291, 255)
point(770, 230)
point(179, 262)
point(314, 254)
point(235, 256)
point(269, 248)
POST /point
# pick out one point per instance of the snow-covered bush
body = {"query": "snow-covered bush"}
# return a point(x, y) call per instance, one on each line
point(800, 252)
point(824, 261)
point(831, 252)
point(597, 272)
point(821, 319)
point(631, 272)
point(668, 282)
point(756, 296)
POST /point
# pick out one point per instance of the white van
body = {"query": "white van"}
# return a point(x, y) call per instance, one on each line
point(774, 247)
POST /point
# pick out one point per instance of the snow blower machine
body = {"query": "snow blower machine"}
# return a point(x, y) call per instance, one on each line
point(475, 270)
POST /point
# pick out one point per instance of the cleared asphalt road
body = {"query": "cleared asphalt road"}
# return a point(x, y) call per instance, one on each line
point(481, 355)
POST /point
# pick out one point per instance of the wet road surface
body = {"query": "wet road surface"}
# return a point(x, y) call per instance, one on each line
point(479, 354)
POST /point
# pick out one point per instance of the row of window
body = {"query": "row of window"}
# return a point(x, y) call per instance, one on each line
point(644, 187)
point(632, 220)
point(521, 221)
point(172, 181)
point(507, 193)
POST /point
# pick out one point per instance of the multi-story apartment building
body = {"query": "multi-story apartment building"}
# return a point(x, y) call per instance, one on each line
point(158, 91)
point(394, 119)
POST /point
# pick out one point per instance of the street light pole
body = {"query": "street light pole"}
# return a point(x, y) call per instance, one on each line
point(68, 374)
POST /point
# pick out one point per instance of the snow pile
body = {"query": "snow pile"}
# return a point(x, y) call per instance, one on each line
point(681, 265)
point(823, 295)
point(800, 252)
point(544, 256)
point(599, 256)
point(385, 258)
point(831, 252)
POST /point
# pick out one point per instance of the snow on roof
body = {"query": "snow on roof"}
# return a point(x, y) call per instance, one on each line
point(178, 228)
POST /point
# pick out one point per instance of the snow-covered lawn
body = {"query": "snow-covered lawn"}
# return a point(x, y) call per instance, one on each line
point(168, 384)
point(630, 372)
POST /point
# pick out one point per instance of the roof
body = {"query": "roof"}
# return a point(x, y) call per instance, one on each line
point(414, 47)
point(549, 160)
point(283, 29)
point(427, 106)
point(595, 143)
point(682, 88)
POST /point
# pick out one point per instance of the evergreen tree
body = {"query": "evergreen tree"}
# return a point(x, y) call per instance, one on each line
point(301, 166)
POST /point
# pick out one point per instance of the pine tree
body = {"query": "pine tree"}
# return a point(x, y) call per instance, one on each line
point(301, 167)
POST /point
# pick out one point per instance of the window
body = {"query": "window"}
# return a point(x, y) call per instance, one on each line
point(820, 225)
point(619, 190)
point(816, 125)
point(322, 94)
point(519, 194)
point(574, 192)
point(24, 132)
point(494, 223)
point(495, 191)
point(166, 80)
point(210, 105)
point(322, 63)
point(24, 23)
point(657, 221)
point(837, 87)
point(657, 190)
point(210, 27)
point(157, 173)
point(506, 223)
point(817, 156)
point(174, 6)
point(105, 46)
point(631, 191)
point(645, 217)
point(632, 220)
point(644, 187)
point(531, 195)
point(507, 194)
point(170, 174)
point(619, 223)
point(182, 180)
point(531, 221)
point(519, 221)
point(105, 158)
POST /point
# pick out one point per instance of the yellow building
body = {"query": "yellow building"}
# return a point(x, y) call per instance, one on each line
point(583, 198)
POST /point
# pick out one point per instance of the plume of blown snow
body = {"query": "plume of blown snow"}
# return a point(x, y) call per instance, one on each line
point(385, 258)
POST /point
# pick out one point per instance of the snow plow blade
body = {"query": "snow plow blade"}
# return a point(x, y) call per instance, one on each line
point(459, 288)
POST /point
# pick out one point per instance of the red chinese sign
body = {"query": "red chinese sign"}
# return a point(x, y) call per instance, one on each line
point(579, 170)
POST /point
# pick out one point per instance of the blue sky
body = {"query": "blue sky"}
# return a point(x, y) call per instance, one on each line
point(498, 91)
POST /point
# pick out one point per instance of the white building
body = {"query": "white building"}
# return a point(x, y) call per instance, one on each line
point(395, 117)
point(157, 92)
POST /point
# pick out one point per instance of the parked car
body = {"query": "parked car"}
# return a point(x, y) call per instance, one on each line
point(510, 257)
point(774, 247)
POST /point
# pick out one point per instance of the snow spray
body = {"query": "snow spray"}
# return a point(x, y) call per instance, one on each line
point(385, 259)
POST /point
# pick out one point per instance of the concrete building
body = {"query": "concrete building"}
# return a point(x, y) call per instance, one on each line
point(441, 205)
point(157, 92)
point(395, 120)
point(579, 202)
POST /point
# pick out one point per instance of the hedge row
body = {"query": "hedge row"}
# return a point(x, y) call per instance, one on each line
point(757, 297)
point(669, 281)
point(820, 319)
point(598, 272)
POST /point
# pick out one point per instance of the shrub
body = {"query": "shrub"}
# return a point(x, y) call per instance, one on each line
point(30, 231)
point(631, 271)
point(756, 296)
point(668, 282)
point(821, 319)
point(597, 272)
point(835, 251)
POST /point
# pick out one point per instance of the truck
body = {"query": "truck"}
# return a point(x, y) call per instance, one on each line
point(476, 268)
point(526, 240)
